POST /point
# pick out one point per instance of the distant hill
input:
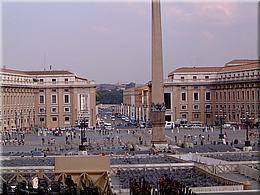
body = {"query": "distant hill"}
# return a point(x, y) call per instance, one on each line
point(110, 93)
point(101, 87)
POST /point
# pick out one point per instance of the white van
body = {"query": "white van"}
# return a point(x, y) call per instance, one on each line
point(108, 126)
point(169, 125)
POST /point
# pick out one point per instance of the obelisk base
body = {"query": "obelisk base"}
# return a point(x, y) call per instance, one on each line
point(158, 131)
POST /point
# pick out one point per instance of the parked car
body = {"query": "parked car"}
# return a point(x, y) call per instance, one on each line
point(169, 125)
point(149, 124)
point(142, 124)
point(108, 126)
point(133, 123)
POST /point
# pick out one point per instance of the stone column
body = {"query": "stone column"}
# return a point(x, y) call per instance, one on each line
point(157, 107)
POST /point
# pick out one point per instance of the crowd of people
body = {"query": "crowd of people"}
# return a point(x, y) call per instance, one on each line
point(12, 137)
point(43, 186)
point(165, 186)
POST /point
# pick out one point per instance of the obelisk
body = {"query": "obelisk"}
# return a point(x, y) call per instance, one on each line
point(157, 106)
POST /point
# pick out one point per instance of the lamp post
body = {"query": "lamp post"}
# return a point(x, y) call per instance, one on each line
point(34, 118)
point(82, 126)
point(16, 120)
point(21, 120)
point(206, 119)
point(220, 122)
point(247, 120)
point(29, 120)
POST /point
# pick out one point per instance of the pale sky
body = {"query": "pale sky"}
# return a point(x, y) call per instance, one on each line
point(110, 41)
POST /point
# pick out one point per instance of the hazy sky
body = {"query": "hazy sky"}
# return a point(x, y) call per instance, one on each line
point(111, 41)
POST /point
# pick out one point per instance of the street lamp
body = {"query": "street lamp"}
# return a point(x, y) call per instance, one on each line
point(247, 120)
point(82, 126)
point(29, 120)
point(16, 120)
point(221, 121)
point(21, 120)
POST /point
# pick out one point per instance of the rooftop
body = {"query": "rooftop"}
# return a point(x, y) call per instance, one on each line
point(48, 72)
point(196, 69)
point(234, 65)
point(44, 72)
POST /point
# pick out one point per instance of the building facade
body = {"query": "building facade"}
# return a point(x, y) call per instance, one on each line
point(45, 99)
point(198, 94)
point(136, 103)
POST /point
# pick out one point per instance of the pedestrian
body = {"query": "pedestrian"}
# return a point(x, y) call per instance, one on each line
point(43, 141)
point(234, 128)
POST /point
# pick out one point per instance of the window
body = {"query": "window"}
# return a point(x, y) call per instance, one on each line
point(53, 81)
point(194, 77)
point(41, 119)
point(41, 110)
point(220, 95)
point(208, 96)
point(167, 100)
point(207, 115)
point(247, 94)
point(67, 118)
point(243, 95)
point(66, 90)
point(253, 95)
point(54, 118)
point(238, 95)
point(196, 115)
point(66, 109)
point(182, 78)
point(66, 99)
point(196, 87)
point(225, 95)
point(168, 118)
point(216, 95)
point(183, 116)
point(41, 80)
point(196, 96)
point(183, 107)
point(54, 99)
point(41, 90)
point(53, 109)
point(53, 90)
point(206, 77)
point(208, 107)
point(183, 96)
point(66, 80)
point(195, 107)
point(41, 99)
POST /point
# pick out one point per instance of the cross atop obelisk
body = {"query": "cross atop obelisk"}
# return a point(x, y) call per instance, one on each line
point(157, 107)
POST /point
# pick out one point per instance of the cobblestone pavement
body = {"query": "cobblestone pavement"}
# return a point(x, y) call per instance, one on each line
point(122, 137)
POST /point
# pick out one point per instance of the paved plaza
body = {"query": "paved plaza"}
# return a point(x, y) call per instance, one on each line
point(117, 140)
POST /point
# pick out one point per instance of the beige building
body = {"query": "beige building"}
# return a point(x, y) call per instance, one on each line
point(237, 90)
point(47, 99)
point(136, 103)
point(197, 94)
